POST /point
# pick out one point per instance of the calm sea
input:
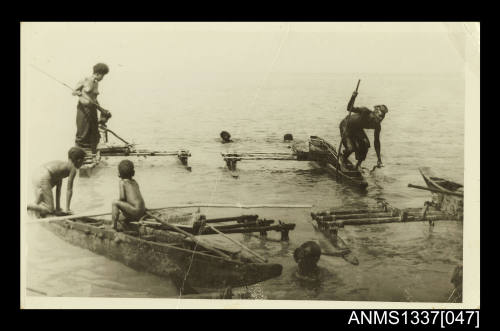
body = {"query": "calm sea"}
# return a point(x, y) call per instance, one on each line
point(398, 262)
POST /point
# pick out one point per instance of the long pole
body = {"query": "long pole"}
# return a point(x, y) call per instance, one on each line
point(189, 235)
point(117, 136)
point(84, 96)
point(343, 135)
point(236, 242)
point(435, 190)
point(208, 205)
point(66, 85)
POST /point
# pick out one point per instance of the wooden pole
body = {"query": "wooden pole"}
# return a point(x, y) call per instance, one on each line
point(435, 190)
point(208, 205)
point(66, 85)
point(114, 134)
point(237, 243)
point(189, 235)
point(342, 137)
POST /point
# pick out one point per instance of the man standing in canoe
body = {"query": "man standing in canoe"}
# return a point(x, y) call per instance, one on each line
point(352, 131)
point(87, 133)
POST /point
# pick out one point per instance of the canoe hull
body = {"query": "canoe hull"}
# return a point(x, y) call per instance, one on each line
point(324, 155)
point(450, 204)
point(190, 270)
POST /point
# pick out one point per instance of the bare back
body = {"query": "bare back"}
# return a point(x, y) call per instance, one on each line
point(132, 194)
point(58, 170)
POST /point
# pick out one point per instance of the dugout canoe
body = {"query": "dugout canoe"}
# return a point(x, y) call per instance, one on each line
point(447, 194)
point(325, 156)
point(166, 253)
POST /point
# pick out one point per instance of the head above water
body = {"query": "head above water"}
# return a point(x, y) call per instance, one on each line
point(100, 70)
point(126, 169)
point(380, 111)
point(77, 156)
point(307, 256)
point(225, 136)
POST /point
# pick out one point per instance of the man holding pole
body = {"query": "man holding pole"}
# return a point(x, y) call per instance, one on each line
point(352, 132)
point(87, 134)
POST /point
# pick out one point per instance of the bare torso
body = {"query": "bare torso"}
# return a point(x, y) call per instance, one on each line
point(57, 170)
point(90, 90)
point(359, 121)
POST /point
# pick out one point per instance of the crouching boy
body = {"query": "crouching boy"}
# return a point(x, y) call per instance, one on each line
point(51, 174)
point(130, 204)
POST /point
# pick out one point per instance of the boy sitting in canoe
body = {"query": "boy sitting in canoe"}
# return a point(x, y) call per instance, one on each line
point(51, 174)
point(130, 203)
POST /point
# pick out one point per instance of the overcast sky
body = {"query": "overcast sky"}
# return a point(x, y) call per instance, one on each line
point(401, 48)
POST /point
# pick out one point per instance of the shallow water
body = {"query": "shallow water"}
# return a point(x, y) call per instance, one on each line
point(398, 262)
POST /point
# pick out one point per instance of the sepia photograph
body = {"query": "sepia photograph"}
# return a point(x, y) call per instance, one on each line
point(250, 165)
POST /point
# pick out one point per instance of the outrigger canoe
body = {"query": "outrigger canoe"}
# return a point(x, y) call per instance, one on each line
point(325, 156)
point(108, 150)
point(194, 268)
point(446, 194)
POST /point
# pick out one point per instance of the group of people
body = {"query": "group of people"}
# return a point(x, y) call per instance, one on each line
point(130, 203)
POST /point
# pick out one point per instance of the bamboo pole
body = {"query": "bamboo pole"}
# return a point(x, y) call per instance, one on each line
point(354, 216)
point(435, 190)
point(278, 158)
point(348, 211)
point(140, 154)
point(237, 243)
point(368, 221)
point(189, 235)
point(239, 219)
point(208, 205)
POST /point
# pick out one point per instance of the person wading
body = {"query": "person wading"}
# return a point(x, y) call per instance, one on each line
point(352, 131)
point(87, 133)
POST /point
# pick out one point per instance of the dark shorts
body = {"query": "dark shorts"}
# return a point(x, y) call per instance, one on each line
point(357, 142)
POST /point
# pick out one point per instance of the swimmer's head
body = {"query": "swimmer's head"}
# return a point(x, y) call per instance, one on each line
point(126, 169)
point(77, 156)
point(225, 136)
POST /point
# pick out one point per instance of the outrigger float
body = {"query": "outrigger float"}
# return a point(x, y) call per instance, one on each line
point(105, 149)
point(320, 153)
point(330, 221)
point(189, 249)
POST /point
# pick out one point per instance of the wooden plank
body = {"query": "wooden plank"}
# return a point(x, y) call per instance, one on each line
point(241, 218)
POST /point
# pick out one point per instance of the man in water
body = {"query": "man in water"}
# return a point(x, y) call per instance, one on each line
point(353, 134)
point(87, 133)
point(51, 174)
point(130, 204)
point(226, 137)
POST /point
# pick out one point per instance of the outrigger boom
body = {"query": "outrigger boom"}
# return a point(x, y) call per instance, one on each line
point(126, 150)
point(320, 153)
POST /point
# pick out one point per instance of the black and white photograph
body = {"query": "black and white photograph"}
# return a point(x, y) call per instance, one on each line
point(250, 164)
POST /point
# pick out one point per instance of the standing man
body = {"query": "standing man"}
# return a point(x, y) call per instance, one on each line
point(87, 132)
point(353, 134)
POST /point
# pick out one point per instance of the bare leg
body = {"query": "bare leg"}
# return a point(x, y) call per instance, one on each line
point(43, 202)
point(115, 213)
point(128, 210)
